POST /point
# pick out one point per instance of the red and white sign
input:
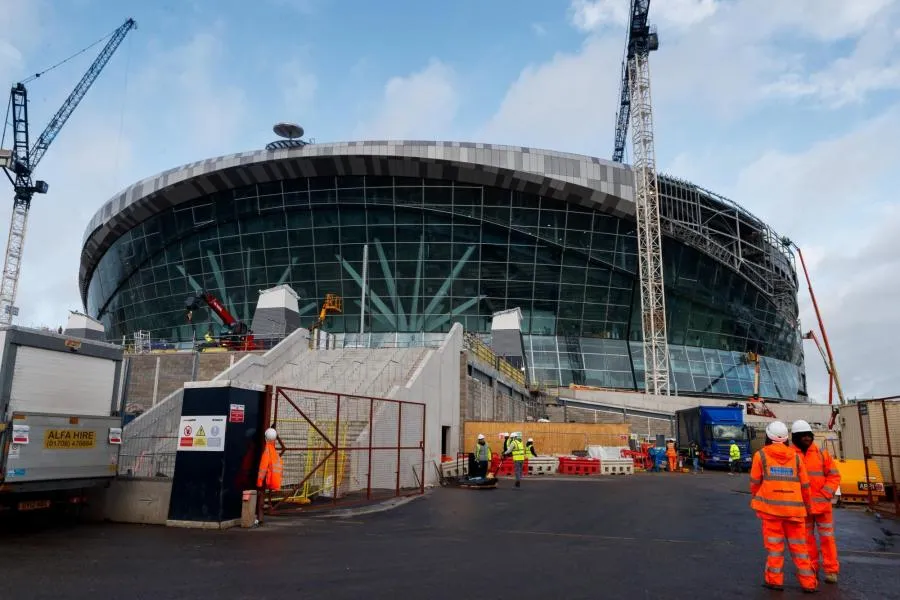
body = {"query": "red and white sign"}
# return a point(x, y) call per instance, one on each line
point(20, 434)
point(201, 434)
point(236, 413)
point(115, 435)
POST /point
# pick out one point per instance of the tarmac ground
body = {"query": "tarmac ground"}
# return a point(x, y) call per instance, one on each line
point(651, 535)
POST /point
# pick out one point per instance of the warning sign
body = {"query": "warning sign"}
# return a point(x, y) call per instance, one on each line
point(201, 434)
point(69, 439)
point(236, 413)
point(20, 434)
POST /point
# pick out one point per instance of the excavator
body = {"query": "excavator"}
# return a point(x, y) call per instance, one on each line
point(239, 336)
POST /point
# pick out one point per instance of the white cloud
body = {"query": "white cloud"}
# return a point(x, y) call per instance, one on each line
point(422, 105)
point(836, 200)
point(588, 15)
point(298, 88)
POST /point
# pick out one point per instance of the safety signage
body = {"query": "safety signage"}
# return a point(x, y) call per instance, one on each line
point(236, 413)
point(201, 434)
point(20, 434)
point(69, 439)
point(15, 451)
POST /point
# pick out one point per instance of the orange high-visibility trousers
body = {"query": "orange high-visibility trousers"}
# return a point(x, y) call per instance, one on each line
point(673, 463)
point(775, 532)
point(824, 522)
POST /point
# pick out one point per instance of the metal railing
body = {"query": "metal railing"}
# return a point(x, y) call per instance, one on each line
point(483, 352)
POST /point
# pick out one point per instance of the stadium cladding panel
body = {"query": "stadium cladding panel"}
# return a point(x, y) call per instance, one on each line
point(455, 232)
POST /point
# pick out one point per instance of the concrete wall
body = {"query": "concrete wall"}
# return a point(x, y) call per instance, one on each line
point(144, 501)
point(639, 424)
point(437, 383)
point(784, 411)
point(481, 402)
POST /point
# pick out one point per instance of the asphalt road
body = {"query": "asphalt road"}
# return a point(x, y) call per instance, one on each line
point(645, 536)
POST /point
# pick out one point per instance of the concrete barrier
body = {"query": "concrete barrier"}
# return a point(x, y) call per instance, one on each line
point(144, 501)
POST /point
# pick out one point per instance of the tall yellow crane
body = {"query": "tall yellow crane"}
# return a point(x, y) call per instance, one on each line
point(635, 105)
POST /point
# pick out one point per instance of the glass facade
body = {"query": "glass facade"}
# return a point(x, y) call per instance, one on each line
point(442, 252)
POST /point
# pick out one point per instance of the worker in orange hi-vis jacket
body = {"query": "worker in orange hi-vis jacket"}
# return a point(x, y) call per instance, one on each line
point(672, 455)
point(824, 481)
point(271, 468)
point(781, 499)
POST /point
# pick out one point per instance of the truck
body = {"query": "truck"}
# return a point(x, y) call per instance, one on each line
point(60, 419)
point(713, 428)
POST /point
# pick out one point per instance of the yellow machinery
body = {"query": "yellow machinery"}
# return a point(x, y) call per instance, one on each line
point(333, 304)
point(854, 487)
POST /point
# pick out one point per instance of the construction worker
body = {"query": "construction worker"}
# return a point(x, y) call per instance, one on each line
point(517, 450)
point(529, 448)
point(824, 481)
point(781, 495)
point(672, 455)
point(482, 456)
point(694, 454)
point(734, 458)
point(271, 468)
point(505, 436)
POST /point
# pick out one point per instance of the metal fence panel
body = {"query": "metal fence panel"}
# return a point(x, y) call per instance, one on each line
point(345, 449)
point(880, 426)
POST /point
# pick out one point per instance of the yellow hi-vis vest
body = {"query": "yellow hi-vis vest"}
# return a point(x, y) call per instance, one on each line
point(482, 453)
point(518, 450)
point(734, 452)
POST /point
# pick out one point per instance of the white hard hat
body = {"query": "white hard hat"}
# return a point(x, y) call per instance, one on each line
point(480, 436)
point(504, 434)
point(271, 434)
point(777, 431)
point(530, 439)
point(801, 426)
point(517, 434)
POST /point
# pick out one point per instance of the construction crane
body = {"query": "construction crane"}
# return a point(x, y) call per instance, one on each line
point(635, 106)
point(239, 336)
point(19, 163)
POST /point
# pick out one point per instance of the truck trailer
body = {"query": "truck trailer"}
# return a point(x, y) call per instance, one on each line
point(60, 420)
point(713, 428)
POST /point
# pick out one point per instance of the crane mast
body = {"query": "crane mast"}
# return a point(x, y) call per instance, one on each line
point(636, 106)
point(21, 162)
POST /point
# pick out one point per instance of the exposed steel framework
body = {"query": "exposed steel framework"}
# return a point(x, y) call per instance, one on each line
point(636, 104)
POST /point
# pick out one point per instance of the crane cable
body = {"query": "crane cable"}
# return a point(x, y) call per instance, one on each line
point(64, 61)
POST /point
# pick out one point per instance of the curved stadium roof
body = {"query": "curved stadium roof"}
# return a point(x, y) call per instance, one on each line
point(590, 181)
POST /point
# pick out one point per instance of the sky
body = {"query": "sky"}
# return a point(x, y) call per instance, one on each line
point(790, 108)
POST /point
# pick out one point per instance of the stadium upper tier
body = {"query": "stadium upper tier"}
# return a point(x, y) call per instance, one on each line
point(458, 230)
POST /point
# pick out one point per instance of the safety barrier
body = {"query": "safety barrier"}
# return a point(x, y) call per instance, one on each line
point(575, 465)
point(879, 422)
point(623, 466)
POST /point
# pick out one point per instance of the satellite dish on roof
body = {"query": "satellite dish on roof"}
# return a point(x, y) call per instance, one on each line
point(290, 131)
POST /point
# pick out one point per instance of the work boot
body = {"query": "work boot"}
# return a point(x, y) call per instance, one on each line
point(518, 484)
point(810, 590)
point(773, 586)
point(831, 577)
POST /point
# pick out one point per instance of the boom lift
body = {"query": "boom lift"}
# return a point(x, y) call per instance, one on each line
point(333, 304)
point(239, 336)
point(19, 163)
point(756, 405)
point(635, 106)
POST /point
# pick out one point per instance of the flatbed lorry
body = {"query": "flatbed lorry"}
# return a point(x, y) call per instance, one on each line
point(713, 428)
point(60, 419)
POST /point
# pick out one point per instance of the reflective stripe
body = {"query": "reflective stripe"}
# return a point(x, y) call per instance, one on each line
point(778, 502)
point(755, 481)
point(806, 572)
point(816, 473)
point(775, 540)
point(828, 490)
point(796, 541)
point(778, 553)
point(823, 533)
point(802, 555)
point(833, 472)
point(782, 478)
point(804, 486)
point(773, 569)
point(822, 500)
